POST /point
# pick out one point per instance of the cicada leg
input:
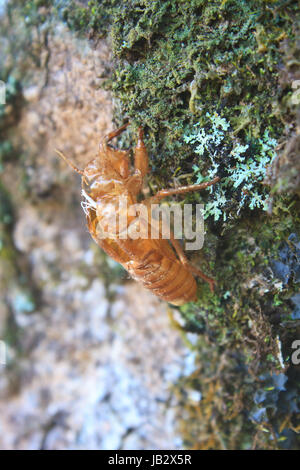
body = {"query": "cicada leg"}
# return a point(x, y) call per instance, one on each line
point(185, 262)
point(141, 161)
point(182, 190)
point(179, 251)
point(115, 133)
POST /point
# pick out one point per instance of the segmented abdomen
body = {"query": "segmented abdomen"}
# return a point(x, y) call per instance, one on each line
point(168, 279)
point(153, 263)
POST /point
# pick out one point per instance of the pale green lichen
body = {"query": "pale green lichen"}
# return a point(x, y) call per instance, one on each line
point(245, 169)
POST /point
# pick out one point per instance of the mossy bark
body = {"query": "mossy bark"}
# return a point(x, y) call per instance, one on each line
point(176, 61)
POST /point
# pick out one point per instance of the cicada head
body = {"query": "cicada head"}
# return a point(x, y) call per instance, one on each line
point(113, 162)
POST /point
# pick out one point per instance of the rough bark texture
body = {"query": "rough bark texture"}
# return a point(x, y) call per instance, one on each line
point(89, 355)
point(215, 84)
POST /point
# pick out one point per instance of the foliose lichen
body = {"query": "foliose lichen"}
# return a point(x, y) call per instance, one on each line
point(245, 168)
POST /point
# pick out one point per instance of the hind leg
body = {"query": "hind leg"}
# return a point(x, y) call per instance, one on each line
point(185, 262)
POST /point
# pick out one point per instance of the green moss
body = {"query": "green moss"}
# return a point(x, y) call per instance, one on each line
point(181, 64)
point(248, 321)
point(180, 60)
point(94, 18)
point(185, 64)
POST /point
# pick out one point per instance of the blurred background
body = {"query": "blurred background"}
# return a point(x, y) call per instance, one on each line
point(88, 359)
point(90, 356)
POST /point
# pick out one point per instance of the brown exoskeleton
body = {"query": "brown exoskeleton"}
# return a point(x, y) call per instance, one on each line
point(159, 264)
